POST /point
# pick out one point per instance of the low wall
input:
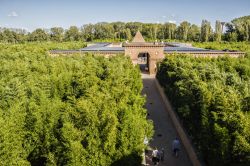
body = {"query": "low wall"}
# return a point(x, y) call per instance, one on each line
point(183, 137)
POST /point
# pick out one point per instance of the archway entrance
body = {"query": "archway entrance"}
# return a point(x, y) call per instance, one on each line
point(143, 61)
point(145, 54)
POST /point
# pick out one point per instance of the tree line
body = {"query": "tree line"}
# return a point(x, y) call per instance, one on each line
point(236, 30)
point(212, 99)
point(69, 110)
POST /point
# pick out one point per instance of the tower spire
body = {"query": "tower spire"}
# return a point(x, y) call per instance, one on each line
point(138, 38)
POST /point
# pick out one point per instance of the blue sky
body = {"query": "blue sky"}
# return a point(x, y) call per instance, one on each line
point(31, 14)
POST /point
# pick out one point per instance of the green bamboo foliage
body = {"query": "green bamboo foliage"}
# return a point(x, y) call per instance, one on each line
point(69, 110)
point(211, 96)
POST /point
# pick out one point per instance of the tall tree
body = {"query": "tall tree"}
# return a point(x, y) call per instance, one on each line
point(1, 36)
point(246, 26)
point(134, 27)
point(88, 32)
point(218, 31)
point(125, 34)
point(119, 29)
point(230, 34)
point(205, 31)
point(8, 36)
point(56, 34)
point(182, 30)
point(170, 29)
point(161, 31)
point(38, 35)
point(242, 28)
point(128, 34)
point(155, 30)
point(194, 33)
point(104, 31)
point(72, 34)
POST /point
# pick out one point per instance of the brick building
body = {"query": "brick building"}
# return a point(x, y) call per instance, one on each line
point(147, 54)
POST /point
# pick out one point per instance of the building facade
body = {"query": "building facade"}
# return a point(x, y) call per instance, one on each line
point(146, 54)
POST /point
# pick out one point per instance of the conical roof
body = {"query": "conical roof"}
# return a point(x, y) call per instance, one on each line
point(138, 38)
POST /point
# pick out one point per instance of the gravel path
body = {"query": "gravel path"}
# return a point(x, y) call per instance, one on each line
point(164, 129)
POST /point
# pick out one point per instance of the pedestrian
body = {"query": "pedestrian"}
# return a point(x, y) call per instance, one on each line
point(155, 156)
point(145, 141)
point(176, 146)
point(146, 144)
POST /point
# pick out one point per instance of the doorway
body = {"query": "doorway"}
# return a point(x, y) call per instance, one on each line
point(143, 61)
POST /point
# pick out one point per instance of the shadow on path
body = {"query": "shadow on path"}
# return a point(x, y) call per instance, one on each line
point(164, 129)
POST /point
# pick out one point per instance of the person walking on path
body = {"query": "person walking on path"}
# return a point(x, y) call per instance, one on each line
point(176, 146)
point(155, 156)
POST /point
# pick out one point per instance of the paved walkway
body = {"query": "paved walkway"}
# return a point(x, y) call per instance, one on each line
point(164, 129)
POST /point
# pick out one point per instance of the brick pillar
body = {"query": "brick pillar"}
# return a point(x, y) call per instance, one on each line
point(152, 66)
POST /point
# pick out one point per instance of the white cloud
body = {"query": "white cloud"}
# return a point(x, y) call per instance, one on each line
point(172, 21)
point(13, 14)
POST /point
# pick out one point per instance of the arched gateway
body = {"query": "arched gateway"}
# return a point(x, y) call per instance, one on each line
point(154, 52)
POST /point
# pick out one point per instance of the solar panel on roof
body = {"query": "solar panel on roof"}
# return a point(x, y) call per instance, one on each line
point(183, 49)
point(103, 49)
point(172, 47)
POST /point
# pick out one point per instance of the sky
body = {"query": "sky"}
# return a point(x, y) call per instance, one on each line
point(32, 14)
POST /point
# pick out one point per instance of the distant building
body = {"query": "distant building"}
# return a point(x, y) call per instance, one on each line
point(147, 54)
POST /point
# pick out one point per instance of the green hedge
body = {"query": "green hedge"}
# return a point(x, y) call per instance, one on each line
point(212, 99)
point(236, 46)
point(69, 110)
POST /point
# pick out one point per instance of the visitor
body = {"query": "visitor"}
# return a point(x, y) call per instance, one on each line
point(146, 144)
point(176, 146)
point(145, 141)
point(155, 156)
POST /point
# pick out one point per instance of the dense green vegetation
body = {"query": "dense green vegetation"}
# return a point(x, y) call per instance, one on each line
point(241, 19)
point(77, 110)
point(212, 99)
point(236, 30)
point(237, 46)
point(37, 48)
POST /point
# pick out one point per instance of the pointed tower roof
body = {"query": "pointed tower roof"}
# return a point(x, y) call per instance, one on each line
point(138, 38)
